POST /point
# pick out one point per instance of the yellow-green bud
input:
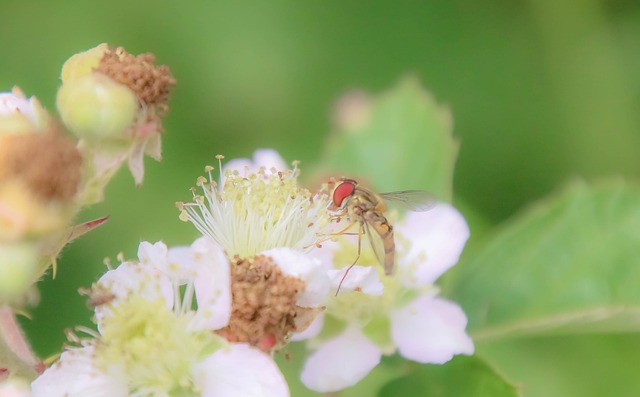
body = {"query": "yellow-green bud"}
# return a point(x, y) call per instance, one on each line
point(18, 269)
point(97, 108)
point(83, 63)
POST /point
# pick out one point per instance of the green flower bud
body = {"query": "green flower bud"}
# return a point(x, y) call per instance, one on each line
point(83, 63)
point(18, 269)
point(96, 108)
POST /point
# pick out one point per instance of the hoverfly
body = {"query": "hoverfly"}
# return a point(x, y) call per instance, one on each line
point(367, 208)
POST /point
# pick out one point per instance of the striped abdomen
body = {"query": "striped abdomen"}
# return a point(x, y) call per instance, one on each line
point(380, 225)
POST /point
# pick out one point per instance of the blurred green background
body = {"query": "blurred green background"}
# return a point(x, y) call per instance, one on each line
point(541, 91)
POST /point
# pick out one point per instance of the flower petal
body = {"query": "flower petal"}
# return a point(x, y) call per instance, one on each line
point(430, 330)
point(11, 103)
point(309, 270)
point(212, 285)
point(181, 265)
point(325, 253)
point(14, 387)
point(153, 254)
point(77, 375)
point(312, 330)
point(267, 158)
point(241, 165)
point(437, 238)
point(132, 277)
point(340, 362)
point(359, 278)
point(239, 370)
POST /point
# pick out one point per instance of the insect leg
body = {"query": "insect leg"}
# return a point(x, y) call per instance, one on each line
point(329, 236)
point(360, 232)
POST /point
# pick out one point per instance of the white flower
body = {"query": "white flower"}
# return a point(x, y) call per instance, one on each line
point(409, 316)
point(267, 224)
point(152, 341)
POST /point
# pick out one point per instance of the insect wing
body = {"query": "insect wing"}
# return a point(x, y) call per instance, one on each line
point(376, 242)
point(412, 200)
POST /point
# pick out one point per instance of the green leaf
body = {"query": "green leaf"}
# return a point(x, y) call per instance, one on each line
point(404, 141)
point(463, 376)
point(569, 264)
point(590, 365)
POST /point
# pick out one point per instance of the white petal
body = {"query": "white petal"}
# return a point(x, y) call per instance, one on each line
point(184, 262)
point(212, 285)
point(180, 265)
point(437, 238)
point(359, 278)
point(239, 370)
point(430, 330)
point(133, 277)
point(11, 103)
point(267, 158)
point(312, 330)
point(153, 254)
point(14, 387)
point(76, 375)
point(309, 270)
point(340, 362)
point(325, 253)
point(242, 165)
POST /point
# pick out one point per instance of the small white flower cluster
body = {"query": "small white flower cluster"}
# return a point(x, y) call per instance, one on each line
point(151, 341)
point(260, 280)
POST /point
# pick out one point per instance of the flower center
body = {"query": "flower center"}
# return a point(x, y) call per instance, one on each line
point(264, 310)
point(155, 347)
point(252, 214)
point(360, 307)
point(151, 83)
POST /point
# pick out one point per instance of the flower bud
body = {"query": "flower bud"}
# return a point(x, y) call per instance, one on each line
point(83, 63)
point(111, 97)
point(18, 269)
point(19, 115)
point(39, 177)
point(97, 108)
point(352, 111)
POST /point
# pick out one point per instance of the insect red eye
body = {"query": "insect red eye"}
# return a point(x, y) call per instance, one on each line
point(344, 190)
